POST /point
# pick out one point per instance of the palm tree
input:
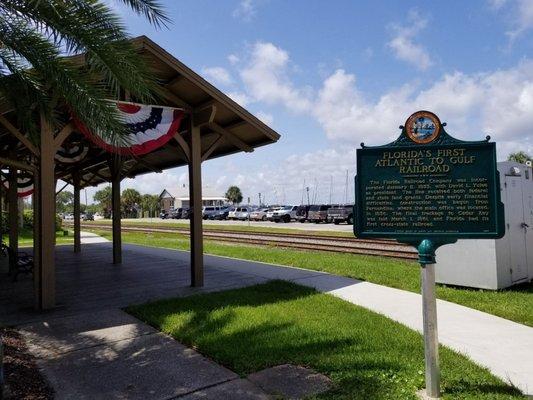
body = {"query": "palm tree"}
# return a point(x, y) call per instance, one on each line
point(520, 156)
point(234, 194)
point(40, 67)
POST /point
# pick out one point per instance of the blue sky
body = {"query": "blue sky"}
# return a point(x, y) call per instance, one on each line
point(329, 75)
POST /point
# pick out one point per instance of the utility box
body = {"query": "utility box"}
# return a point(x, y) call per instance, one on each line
point(496, 263)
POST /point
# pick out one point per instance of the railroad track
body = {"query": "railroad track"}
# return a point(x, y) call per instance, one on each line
point(376, 247)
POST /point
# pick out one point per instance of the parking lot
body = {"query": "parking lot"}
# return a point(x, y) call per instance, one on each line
point(291, 225)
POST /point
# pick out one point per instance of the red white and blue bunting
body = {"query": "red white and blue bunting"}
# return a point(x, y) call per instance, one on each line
point(72, 154)
point(24, 183)
point(151, 127)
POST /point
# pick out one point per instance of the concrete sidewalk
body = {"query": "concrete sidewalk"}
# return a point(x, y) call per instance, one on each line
point(112, 355)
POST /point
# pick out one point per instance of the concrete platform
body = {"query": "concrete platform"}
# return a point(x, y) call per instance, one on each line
point(89, 282)
point(112, 355)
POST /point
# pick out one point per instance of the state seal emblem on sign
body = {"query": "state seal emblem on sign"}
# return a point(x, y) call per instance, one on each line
point(422, 127)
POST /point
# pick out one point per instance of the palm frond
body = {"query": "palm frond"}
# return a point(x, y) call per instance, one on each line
point(151, 9)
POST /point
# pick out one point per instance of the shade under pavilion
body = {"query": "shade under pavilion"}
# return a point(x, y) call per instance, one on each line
point(214, 126)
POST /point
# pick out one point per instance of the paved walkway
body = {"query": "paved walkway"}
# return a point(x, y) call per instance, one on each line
point(502, 346)
point(112, 355)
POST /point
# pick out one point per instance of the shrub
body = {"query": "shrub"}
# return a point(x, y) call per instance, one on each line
point(27, 220)
point(4, 222)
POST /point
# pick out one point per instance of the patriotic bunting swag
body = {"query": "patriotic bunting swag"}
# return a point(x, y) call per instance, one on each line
point(150, 127)
point(72, 154)
point(24, 183)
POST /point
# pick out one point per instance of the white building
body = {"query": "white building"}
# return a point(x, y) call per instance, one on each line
point(179, 198)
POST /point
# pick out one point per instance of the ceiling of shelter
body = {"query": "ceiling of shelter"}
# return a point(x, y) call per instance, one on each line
point(225, 126)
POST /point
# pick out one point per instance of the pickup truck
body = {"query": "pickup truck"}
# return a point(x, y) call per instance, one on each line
point(341, 213)
point(318, 213)
point(285, 214)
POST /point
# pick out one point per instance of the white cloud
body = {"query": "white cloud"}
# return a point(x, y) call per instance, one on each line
point(239, 97)
point(493, 102)
point(403, 43)
point(265, 78)
point(265, 117)
point(246, 10)
point(496, 4)
point(498, 103)
point(217, 75)
point(233, 59)
point(522, 18)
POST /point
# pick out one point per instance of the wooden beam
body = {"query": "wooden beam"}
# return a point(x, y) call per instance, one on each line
point(167, 94)
point(230, 137)
point(17, 164)
point(13, 214)
point(63, 134)
point(37, 232)
point(77, 213)
point(175, 80)
point(184, 145)
point(195, 194)
point(47, 215)
point(212, 148)
point(205, 116)
point(146, 164)
point(115, 166)
point(19, 135)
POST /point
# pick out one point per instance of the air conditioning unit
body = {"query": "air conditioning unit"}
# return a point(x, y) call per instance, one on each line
point(500, 263)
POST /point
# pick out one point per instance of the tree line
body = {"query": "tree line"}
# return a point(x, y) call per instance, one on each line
point(132, 203)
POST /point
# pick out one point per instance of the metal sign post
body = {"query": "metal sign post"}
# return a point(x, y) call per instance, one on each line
point(428, 189)
point(426, 254)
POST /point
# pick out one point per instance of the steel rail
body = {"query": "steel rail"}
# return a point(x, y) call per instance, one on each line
point(385, 248)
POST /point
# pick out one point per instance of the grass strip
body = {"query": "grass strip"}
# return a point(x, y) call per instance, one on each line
point(368, 356)
point(515, 304)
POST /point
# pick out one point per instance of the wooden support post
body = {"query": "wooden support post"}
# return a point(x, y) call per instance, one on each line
point(77, 213)
point(47, 215)
point(37, 265)
point(1, 215)
point(195, 194)
point(115, 205)
point(13, 213)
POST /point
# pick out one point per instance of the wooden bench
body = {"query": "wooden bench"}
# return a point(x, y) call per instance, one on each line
point(19, 263)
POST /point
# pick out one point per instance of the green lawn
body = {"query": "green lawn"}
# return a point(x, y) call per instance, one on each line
point(367, 356)
point(26, 238)
point(515, 304)
point(208, 227)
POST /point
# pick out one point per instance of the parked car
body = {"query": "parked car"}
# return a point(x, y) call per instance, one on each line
point(285, 214)
point(242, 213)
point(88, 217)
point(176, 213)
point(68, 217)
point(163, 215)
point(270, 213)
point(220, 214)
point(186, 213)
point(341, 213)
point(302, 213)
point(318, 213)
point(209, 210)
point(259, 214)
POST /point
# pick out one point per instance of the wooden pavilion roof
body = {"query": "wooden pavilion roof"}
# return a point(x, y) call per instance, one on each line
point(226, 127)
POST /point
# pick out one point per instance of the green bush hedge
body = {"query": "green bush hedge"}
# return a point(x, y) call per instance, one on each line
point(4, 222)
point(27, 220)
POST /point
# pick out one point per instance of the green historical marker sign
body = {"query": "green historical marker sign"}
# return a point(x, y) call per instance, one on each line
point(428, 189)
point(427, 184)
